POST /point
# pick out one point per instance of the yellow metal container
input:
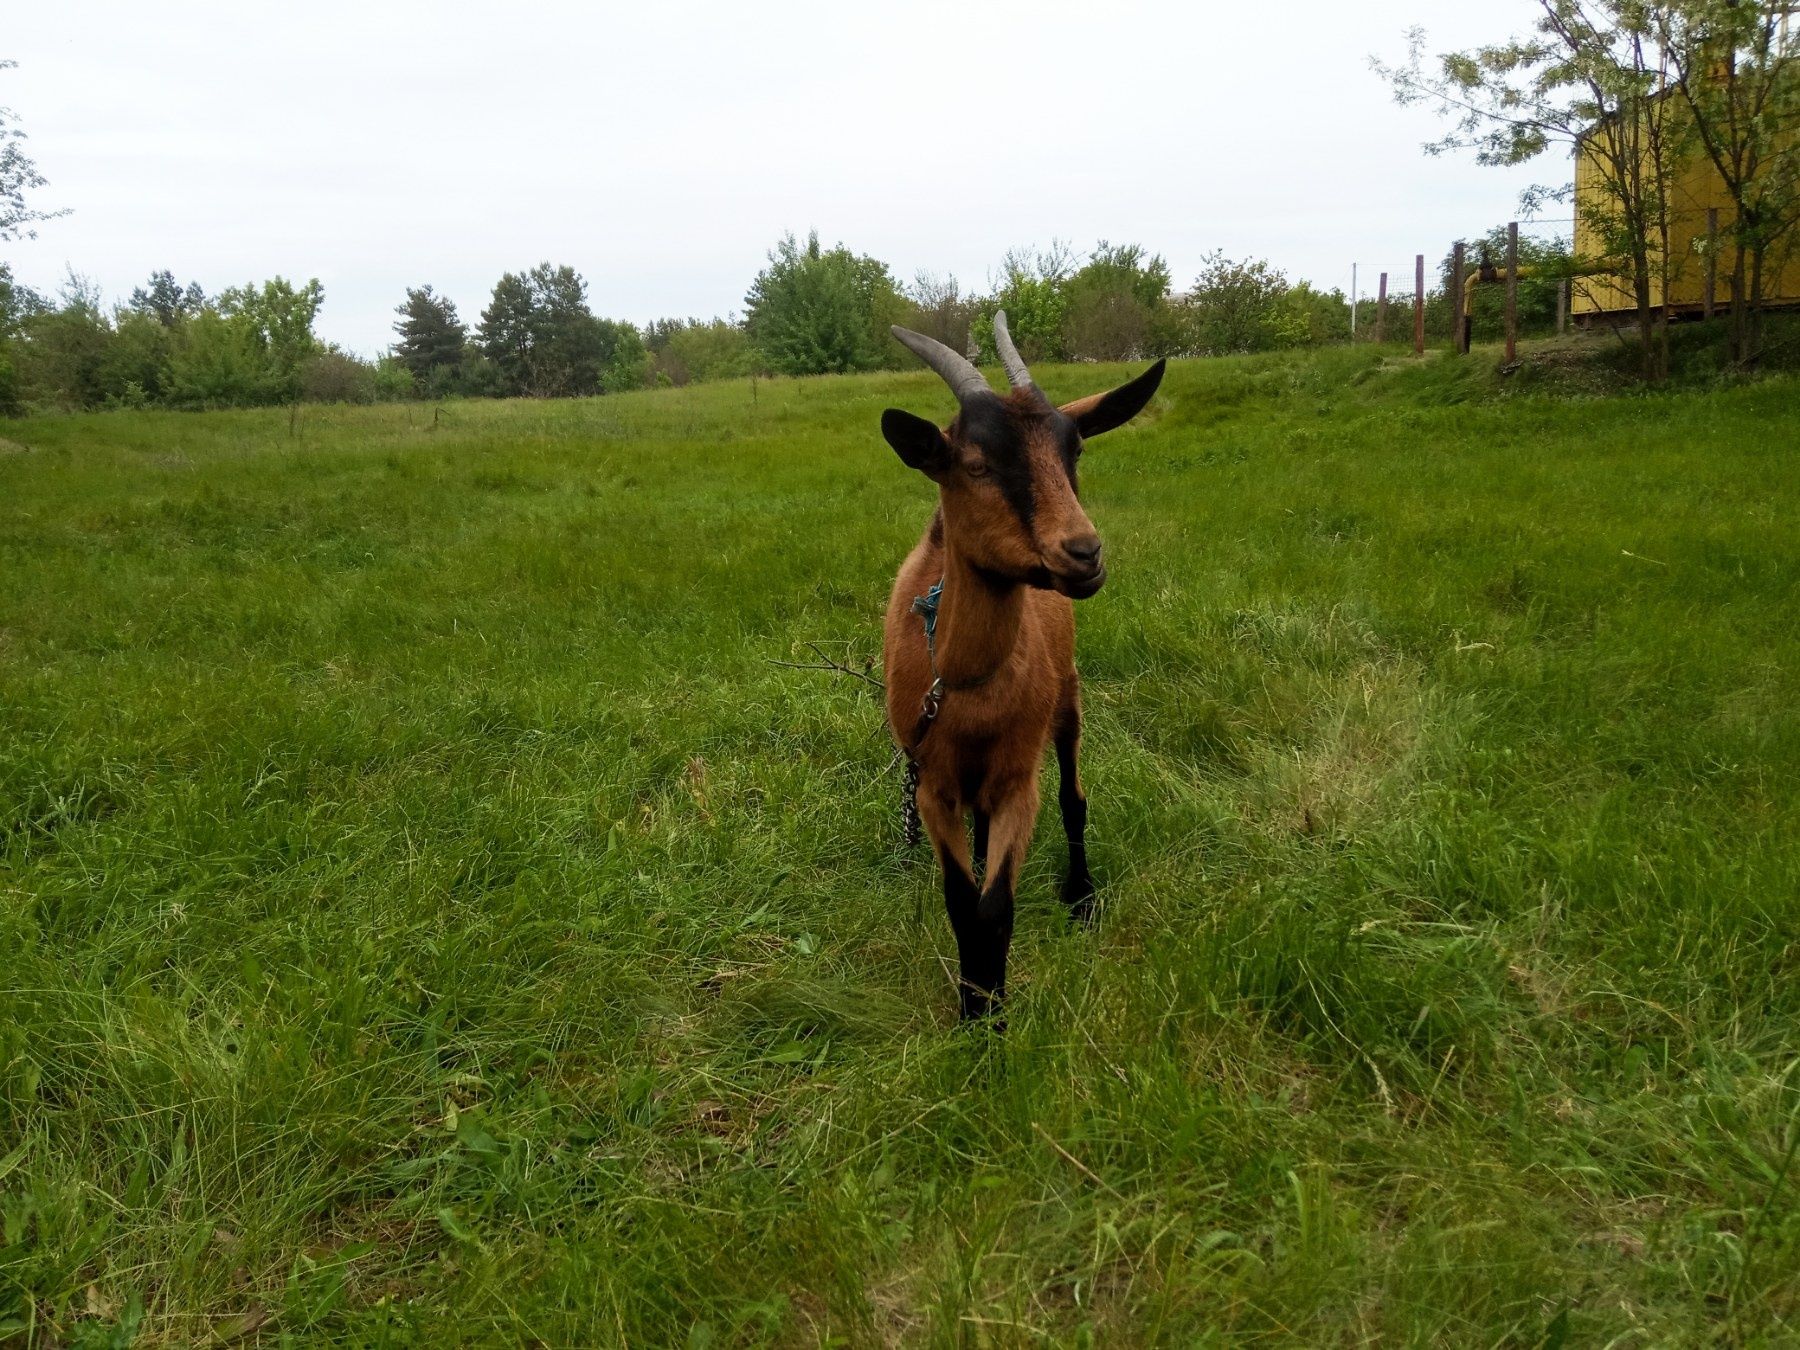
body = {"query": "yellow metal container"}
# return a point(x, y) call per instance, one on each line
point(1695, 188)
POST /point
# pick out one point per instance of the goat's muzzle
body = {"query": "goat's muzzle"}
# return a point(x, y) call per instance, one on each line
point(1080, 571)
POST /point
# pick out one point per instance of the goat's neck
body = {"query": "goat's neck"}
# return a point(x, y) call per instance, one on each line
point(978, 621)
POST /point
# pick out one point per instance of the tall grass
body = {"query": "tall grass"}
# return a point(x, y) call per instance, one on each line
point(428, 916)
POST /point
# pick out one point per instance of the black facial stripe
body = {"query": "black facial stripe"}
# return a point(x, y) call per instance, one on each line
point(984, 423)
point(1068, 446)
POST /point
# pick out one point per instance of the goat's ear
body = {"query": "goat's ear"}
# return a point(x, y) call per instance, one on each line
point(1102, 412)
point(919, 443)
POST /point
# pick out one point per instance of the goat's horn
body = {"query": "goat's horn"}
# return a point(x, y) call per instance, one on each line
point(964, 380)
point(1016, 373)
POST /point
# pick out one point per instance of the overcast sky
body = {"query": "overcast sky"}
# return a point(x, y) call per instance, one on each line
point(660, 148)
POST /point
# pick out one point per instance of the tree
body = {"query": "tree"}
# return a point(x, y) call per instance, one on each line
point(61, 360)
point(1736, 66)
point(508, 335)
point(18, 176)
point(1314, 317)
point(334, 375)
point(166, 301)
point(134, 368)
point(1590, 80)
point(277, 318)
point(1033, 290)
point(432, 338)
point(625, 362)
point(815, 311)
point(1243, 307)
point(17, 302)
point(937, 307)
point(544, 342)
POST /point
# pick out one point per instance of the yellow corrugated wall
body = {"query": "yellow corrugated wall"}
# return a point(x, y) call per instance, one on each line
point(1696, 187)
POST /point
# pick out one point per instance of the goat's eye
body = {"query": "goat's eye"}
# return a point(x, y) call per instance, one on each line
point(978, 469)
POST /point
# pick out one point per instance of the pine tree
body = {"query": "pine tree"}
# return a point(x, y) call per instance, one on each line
point(165, 301)
point(432, 338)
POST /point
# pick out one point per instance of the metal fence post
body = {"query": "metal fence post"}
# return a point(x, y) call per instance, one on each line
point(1512, 292)
point(1458, 338)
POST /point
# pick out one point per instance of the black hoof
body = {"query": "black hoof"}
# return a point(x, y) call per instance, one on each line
point(980, 1006)
point(1078, 894)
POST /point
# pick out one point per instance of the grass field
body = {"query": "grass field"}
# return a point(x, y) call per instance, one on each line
point(429, 916)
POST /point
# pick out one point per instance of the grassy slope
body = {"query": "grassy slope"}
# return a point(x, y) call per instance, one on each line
point(426, 914)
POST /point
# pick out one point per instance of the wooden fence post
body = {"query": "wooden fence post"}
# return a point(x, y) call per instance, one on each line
point(1712, 258)
point(1562, 305)
point(1512, 292)
point(1419, 304)
point(1381, 311)
point(1458, 340)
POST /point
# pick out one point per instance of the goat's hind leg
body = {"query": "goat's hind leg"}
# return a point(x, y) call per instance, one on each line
point(1078, 885)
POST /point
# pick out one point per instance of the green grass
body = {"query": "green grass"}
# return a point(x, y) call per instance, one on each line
point(428, 916)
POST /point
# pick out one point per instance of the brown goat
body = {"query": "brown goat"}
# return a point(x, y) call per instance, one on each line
point(974, 707)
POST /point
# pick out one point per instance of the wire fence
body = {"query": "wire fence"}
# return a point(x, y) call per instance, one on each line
point(1431, 297)
point(1541, 270)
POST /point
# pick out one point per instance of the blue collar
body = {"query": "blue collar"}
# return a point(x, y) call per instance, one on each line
point(926, 606)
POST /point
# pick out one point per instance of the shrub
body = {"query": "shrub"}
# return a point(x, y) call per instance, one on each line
point(1243, 307)
point(215, 361)
point(392, 381)
point(1113, 306)
point(690, 351)
point(335, 376)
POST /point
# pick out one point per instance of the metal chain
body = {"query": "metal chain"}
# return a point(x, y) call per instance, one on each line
point(926, 607)
point(909, 804)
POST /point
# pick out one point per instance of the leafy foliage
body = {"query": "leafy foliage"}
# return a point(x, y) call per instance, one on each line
point(19, 176)
point(937, 306)
point(690, 351)
point(1117, 306)
point(817, 311)
point(1736, 69)
point(275, 320)
point(1033, 291)
point(1245, 307)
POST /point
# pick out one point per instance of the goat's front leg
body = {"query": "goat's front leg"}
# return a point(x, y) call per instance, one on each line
point(942, 817)
point(1010, 820)
point(980, 916)
point(1078, 886)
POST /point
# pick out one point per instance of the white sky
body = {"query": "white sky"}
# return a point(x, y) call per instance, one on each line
point(661, 148)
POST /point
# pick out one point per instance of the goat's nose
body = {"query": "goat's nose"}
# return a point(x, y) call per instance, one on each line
point(1085, 550)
